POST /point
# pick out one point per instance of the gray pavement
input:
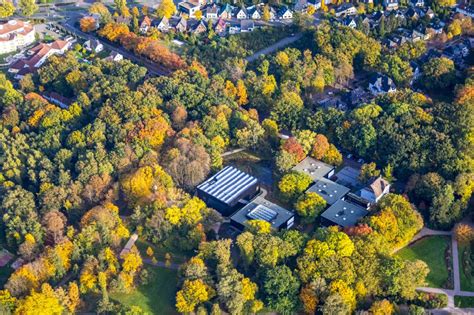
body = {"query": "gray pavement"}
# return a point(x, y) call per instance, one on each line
point(277, 46)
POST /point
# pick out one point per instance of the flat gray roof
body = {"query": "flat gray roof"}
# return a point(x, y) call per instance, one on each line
point(348, 176)
point(329, 190)
point(228, 184)
point(262, 209)
point(314, 168)
point(344, 213)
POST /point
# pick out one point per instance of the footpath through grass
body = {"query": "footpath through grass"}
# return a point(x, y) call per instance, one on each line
point(432, 251)
point(155, 297)
point(464, 301)
point(466, 266)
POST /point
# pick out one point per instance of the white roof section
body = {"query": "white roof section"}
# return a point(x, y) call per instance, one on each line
point(329, 190)
point(314, 168)
point(228, 184)
point(262, 209)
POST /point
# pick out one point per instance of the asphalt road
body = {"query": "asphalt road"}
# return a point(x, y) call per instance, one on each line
point(278, 45)
point(152, 67)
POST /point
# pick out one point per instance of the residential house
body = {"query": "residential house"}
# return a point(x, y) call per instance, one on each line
point(377, 188)
point(198, 28)
point(416, 71)
point(349, 21)
point(417, 3)
point(466, 10)
point(390, 4)
point(412, 14)
point(284, 13)
point(253, 13)
point(145, 25)
point(246, 26)
point(114, 56)
point(189, 8)
point(162, 25)
point(315, 3)
point(15, 34)
point(37, 56)
point(93, 45)
point(345, 9)
point(273, 14)
point(220, 27)
point(182, 25)
point(58, 99)
point(380, 84)
point(212, 12)
point(436, 27)
point(300, 5)
point(226, 12)
point(343, 213)
point(240, 13)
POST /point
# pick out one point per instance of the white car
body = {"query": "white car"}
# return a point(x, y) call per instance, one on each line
point(361, 161)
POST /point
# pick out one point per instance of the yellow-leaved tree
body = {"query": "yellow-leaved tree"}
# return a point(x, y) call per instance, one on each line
point(166, 9)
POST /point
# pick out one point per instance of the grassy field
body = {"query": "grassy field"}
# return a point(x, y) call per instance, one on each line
point(464, 301)
point(156, 297)
point(431, 250)
point(178, 257)
point(466, 265)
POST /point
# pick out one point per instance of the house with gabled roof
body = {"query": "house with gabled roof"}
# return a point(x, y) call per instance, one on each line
point(240, 13)
point(345, 9)
point(253, 13)
point(145, 25)
point(376, 189)
point(381, 84)
point(198, 28)
point(189, 8)
point(211, 12)
point(284, 13)
point(182, 25)
point(226, 11)
point(221, 27)
point(162, 25)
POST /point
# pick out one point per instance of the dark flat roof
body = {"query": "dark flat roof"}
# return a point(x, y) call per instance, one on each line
point(329, 190)
point(344, 213)
point(228, 184)
point(314, 168)
point(262, 209)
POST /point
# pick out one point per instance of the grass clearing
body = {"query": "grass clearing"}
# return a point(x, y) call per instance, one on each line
point(466, 267)
point(432, 251)
point(464, 301)
point(155, 297)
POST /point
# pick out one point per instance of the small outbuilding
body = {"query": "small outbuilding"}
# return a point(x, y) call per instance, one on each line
point(228, 190)
point(262, 209)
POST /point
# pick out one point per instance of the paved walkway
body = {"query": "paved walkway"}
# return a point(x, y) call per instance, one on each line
point(451, 308)
point(278, 45)
point(173, 266)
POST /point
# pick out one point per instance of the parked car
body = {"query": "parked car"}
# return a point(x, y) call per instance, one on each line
point(361, 161)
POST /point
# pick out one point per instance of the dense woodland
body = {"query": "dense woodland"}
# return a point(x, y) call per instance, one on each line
point(135, 147)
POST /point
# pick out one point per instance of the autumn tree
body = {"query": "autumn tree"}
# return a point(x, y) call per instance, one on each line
point(367, 172)
point(383, 307)
point(27, 7)
point(293, 184)
point(88, 24)
point(438, 73)
point(320, 147)
point(100, 9)
point(43, 301)
point(463, 233)
point(187, 163)
point(309, 206)
point(6, 9)
point(193, 293)
point(166, 8)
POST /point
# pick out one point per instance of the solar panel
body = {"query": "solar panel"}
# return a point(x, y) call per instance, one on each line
point(262, 213)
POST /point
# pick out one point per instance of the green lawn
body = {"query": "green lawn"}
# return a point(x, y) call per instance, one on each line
point(177, 256)
point(156, 297)
point(431, 250)
point(466, 267)
point(464, 301)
